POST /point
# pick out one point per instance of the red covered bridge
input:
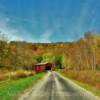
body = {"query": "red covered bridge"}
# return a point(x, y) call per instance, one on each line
point(42, 66)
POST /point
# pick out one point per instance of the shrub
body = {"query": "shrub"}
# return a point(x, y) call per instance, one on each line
point(23, 73)
point(3, 77)
point(16, 74)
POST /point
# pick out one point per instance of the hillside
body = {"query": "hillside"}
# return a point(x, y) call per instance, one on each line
point(81, 54)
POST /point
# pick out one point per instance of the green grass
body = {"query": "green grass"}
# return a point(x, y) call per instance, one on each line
point(88, 87)
point(9, 90)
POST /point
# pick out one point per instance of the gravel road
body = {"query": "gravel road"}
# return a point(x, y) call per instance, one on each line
point(55, 87)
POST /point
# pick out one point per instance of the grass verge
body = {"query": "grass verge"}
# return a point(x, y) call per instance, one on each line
point(12, 88)
point(92, 89)
point(88, 87)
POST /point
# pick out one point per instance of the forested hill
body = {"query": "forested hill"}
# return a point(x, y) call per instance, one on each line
point(81, 54)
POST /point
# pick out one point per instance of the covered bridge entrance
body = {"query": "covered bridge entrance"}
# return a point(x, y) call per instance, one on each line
point(42, 66)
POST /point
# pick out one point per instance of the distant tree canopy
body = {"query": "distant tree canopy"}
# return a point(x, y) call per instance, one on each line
point(39, 59)
point(58, 61)
point(78, 55)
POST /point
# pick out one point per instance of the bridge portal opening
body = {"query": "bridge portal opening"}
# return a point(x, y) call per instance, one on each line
point(48, 66)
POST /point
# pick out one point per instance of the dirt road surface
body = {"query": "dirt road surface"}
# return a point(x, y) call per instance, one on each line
point(55, 87)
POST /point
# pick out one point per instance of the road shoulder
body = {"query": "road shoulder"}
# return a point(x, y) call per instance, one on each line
point(83, 90)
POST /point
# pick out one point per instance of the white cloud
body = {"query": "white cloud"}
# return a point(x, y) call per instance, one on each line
point(12, 33)
point(7, 31)
point(46, 36)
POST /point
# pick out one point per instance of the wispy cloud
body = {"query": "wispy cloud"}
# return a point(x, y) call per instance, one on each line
point(60, 21)
point(45, 37)
point(13, 34)
point(82, 16)
point(6, 30)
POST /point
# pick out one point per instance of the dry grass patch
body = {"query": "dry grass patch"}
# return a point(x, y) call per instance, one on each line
point(89, 77)
point(15, 74)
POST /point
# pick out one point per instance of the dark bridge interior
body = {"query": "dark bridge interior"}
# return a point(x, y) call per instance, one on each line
point(48, 66)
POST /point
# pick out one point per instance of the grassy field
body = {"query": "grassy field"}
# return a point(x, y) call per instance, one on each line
point(87, 86)
point(11, 89)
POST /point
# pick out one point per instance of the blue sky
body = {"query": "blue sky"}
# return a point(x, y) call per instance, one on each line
point(48, 20)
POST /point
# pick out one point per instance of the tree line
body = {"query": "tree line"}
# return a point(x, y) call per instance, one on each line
point(82, 54)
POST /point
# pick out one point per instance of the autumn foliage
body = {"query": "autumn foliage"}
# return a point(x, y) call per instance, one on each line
point(78, 56)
